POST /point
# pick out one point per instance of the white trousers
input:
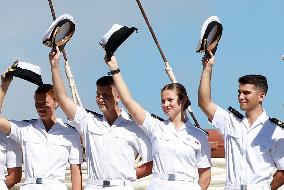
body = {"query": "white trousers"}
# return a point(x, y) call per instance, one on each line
point(157, 184)
point(92, 184)
point(248, 187)
point(93, 187)
point(3, 185)
point(49, 185)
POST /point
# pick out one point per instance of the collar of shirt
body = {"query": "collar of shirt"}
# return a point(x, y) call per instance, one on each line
point(258, 122)
point(57, 126)
point(121, 118)
point(184, 133)
point(183, 127)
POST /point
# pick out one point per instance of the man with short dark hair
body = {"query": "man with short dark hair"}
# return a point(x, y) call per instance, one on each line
point(48, 144)
point(258, 80)
point(253, 144)
point(112, 141)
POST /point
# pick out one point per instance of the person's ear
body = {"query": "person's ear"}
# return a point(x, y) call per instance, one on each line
point(117, 98)
point(185, 103)
point(261, 96)
point(56, 104)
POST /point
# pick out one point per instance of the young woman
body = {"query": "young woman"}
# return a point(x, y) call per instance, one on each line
point(181, 152)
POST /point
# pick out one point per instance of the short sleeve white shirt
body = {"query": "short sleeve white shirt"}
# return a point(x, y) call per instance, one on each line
point(253, 153)
point(111, 150)
point(47, 154)
point(180, 151)
point(10, 154)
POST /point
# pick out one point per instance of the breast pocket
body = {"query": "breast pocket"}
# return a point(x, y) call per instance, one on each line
point(192, 143)
point(61, 148)
point(33, 147)
point(122, 142)
point(233, 138)
point(95, 130)
point(188, 147)
point(122, 137)
point(162, 144)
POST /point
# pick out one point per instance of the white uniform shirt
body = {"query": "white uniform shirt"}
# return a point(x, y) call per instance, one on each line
point(177, 152)
point(111, 150)
point(10, 154)
point(47, 154)
point(252, 153)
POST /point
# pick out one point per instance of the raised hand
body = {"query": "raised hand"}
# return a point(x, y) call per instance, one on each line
point(111, 62)
point(208, 62)
point(6, 77)
point(54, 56)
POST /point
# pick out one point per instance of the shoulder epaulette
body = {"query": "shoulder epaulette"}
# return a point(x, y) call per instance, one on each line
point(130, 117)
point(203, 130)
point(236, 113)
point(157, 117)
point(29, 120)
point(277, 122)
point(68, 125)
point(94, 113)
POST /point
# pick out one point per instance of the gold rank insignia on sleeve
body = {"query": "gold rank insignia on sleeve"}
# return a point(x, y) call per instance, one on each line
point(236, 113)
point(277, 122)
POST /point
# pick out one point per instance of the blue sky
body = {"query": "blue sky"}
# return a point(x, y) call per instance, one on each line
point(252, 43)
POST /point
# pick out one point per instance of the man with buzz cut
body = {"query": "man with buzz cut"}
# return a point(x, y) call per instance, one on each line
point(253, 143)
point(112, 141)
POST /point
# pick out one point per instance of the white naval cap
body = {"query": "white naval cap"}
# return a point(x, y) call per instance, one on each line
point(60, 31)
point(26, 71)
point(115, 37)
point(211, 33)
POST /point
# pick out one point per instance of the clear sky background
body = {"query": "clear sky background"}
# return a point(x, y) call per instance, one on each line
point(252, 43)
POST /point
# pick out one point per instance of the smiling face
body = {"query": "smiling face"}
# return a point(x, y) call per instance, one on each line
point(45, 105)
point(107, 98)
point(250, 97)
point(170, 103)
point(252, 91)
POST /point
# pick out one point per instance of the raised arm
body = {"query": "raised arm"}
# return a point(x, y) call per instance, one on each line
point(66, 103)
point(5, 126)
point(5, 83)
point(136, 111)
point(204, 91)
